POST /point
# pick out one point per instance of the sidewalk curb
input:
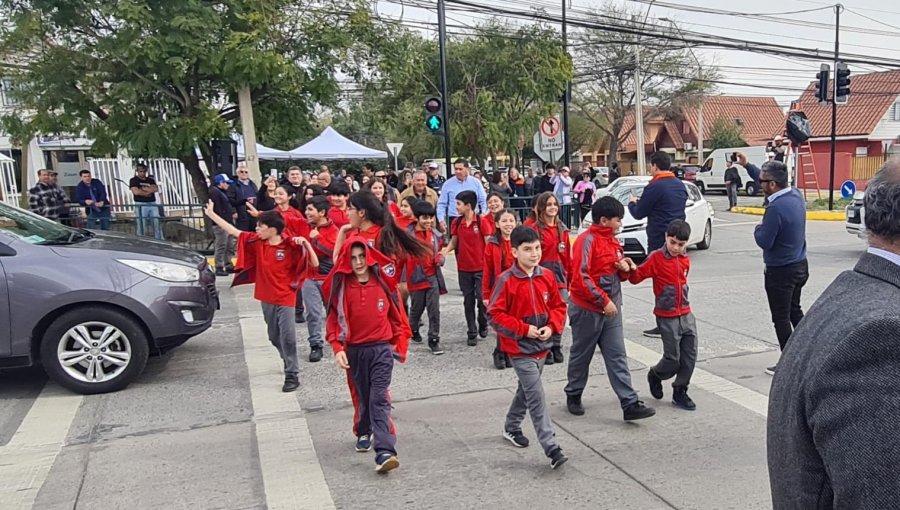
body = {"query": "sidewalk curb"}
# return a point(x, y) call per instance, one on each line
point(810, 215)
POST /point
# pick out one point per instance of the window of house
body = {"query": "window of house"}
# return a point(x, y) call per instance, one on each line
point(738, 122)
point(7, 98)
point(895, 112)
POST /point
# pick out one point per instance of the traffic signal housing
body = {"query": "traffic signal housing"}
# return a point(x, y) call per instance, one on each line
point(841, 83)
point(434, 115)
point(822, 83)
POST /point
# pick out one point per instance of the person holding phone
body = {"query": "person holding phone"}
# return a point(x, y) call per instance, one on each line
point(732, 181)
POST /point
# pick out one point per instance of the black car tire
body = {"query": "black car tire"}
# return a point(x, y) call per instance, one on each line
point(752, 190)
point(707, 237)
point(137, 339)
point(702, 187)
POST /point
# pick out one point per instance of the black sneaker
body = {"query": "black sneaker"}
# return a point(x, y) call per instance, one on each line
point(472, 340)
point(653, 333)
point(299, 319)
point(499, 360)
point(290, 384)
point(656, 388)
point(363, 443)
point(573, 403)
point(549, 359)
point(508, 361)
point(681, 399)
point(483, 332)
point(517, 438)
point(638, 411)
point(221, 272)
point(557, 354)
point(229, 269)
point(771, 370)
point(417, 338)
point(386, 462)
point(315, 355)
point(557, 458)
point(435, 346)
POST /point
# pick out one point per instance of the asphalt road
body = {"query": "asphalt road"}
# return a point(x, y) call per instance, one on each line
point(207, 427)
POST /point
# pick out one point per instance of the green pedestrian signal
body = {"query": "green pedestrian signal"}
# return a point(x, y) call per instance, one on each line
point(434, 115)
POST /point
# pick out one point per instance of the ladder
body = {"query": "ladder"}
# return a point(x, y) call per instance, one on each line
point(806, 171)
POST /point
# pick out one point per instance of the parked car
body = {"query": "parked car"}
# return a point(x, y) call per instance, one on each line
point(621, 181)
point(601, 176)
point(91, 306)
point(686, 172)
point(856, 215)
point(712, 174)
point(633, 235)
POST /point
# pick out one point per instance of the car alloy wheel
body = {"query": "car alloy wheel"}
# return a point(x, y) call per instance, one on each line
point(707, 237)
point(94, 352)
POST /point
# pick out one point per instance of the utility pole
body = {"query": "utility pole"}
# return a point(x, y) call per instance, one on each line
point(445, 98)
point(837, 34)
point(251, 159)
point(639, 112)
point(566, 151)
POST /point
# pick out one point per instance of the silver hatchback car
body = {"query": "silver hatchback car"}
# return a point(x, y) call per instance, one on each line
point(91, 306)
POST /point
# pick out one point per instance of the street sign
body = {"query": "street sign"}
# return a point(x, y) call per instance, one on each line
point(395, 148)
point(548, 155)
point(551, 135)
point(848, 189)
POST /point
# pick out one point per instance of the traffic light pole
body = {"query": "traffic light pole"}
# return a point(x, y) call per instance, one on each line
point(566, 152)
point(445, 98)
point(837, 34)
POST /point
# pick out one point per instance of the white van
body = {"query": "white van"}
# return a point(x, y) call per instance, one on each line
point(711, 176)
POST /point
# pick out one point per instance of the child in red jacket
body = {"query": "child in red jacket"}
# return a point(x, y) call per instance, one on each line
point(498, 258)
point(365, 321)
point(424, 278)
point(556, 251)
point(527, 309)
point(600, 266)
point(323, 235)
point(669, 267)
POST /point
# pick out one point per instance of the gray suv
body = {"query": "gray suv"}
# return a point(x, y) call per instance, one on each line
point(90, 306)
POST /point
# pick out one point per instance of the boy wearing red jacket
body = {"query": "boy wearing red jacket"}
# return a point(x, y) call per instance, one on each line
point(669, 267)
point(322, 235)
point(277, 266)
point(424, 278)
point(526, 309)
point(600, 267)
point(365, 322)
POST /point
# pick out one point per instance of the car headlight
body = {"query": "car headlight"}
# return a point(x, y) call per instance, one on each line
point(164, 270)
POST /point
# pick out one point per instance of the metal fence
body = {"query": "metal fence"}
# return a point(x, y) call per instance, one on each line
point(182, 224)
point(9, 192)
point(171, 177)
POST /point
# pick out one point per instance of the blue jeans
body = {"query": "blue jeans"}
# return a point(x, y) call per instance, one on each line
point(144, 212)
point(102, 216)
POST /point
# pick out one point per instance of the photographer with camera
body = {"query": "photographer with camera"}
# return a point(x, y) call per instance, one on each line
point(732, 180)
point(778, 148)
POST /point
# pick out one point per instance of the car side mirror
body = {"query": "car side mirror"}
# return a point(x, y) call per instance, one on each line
point(6, 251)
point(689, 203)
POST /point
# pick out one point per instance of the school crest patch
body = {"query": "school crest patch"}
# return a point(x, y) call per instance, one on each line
point(371, 243)
point(546, 296)
point(390, 270)
point(279, 255)
point(380, 305)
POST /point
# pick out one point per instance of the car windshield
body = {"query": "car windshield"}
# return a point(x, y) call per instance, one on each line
point(34, 229)
point(623, 193)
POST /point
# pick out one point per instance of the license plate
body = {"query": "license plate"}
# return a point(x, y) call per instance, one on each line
point(621, 240)
point(851, 213)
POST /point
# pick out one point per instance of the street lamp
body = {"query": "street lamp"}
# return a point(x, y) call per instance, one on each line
point(700, 109)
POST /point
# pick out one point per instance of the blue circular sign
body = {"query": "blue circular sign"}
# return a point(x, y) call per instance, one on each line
point(848, 189)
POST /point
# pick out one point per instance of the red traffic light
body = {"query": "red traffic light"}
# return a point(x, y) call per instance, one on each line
point(433, 105)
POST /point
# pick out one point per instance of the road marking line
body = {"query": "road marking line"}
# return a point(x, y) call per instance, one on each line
point(706, 381)
point(28, 457)
point(292, 475)
point(742, 223)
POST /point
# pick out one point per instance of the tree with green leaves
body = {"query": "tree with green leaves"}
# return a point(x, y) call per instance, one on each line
point(724, 133)
point(605, 64)
point(160, 78)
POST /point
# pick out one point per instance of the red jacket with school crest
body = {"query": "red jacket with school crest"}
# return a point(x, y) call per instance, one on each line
point(337, 328)
point(670, 284)
point(520, 300)
point(418, 271)
point(498, 257)
point(596, 279)
point(556, 250)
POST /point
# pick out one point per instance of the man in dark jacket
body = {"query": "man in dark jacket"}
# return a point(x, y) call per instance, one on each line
point(732, 183)
point(833, 408)
point(91, 193)
point(782, 237)
point(542, 183)
point(240, 194)
point(662, 203)
point(225, 244)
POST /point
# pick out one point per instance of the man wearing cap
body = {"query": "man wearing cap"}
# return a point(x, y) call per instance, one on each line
point(435, 179)
point(44, 199)
point(225, 244)
point(779, 148)
point(144, 189)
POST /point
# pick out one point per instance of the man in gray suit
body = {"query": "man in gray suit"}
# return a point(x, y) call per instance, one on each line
point(834, 411)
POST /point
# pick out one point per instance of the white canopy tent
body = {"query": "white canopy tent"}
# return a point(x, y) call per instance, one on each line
point(262, 152)
point(333, 145)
